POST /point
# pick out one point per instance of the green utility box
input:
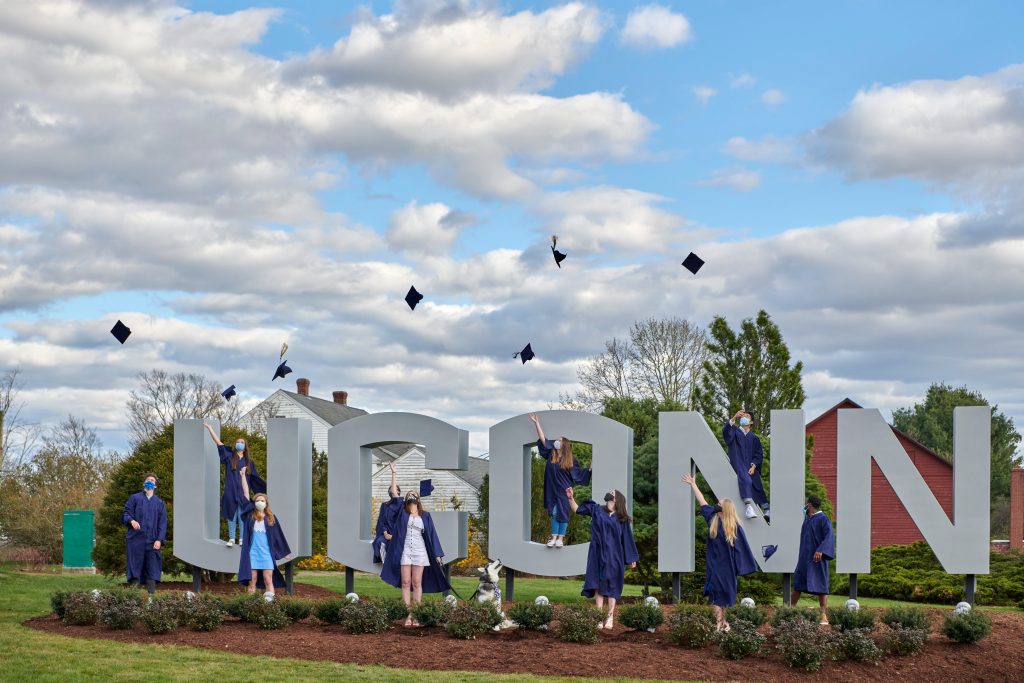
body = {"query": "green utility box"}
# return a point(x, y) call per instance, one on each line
point(79, 539)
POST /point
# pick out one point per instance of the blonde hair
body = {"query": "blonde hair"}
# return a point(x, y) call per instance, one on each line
point(267, 512)
point(563, 456)
point(727, 518)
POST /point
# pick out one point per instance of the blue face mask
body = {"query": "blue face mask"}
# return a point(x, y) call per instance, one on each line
point(744, 421)
point(239, 446)
point(149, 486)
point(805, 510)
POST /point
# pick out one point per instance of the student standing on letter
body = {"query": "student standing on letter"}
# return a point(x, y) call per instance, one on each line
point(746, 456)
point(145, 515)
point(263, 544)
point(817, 547)
point(414, 558)
point(232, 501)
point(387, 518)
point(560, 473)
point(728, 555)
point(611, 548)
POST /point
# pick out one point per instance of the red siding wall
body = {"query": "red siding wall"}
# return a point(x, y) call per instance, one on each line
point(890, 522)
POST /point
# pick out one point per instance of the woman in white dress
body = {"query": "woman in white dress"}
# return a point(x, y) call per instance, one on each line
point(415, 551)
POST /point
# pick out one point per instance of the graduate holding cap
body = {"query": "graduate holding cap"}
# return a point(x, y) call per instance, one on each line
point(728, 555)
point(234, 499)
point(612, 547)
point(817, 547)
point(560, 473)
point(746, 455)
point(264, 544)
point(145, 515)
point(387, 517)
point(414, 560)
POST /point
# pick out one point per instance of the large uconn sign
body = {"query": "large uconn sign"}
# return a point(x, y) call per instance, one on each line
point(685, 441)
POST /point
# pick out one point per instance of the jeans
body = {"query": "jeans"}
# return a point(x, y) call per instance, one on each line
point(236, 520)
point(557, 528)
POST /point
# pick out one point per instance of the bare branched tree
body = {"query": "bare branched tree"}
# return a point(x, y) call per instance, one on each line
point(256, 421)
point(662, 359)
point(163, 398)
point(17, 437)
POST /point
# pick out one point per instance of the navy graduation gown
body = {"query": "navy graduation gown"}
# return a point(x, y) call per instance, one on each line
point(234, 496)
point(611, 548)
point(815, 536)
point(144, 563)
point(434, 580)
point(387, 518)
point(746, 450)
point(557, 480)
point(724, 563)
point(275, 540)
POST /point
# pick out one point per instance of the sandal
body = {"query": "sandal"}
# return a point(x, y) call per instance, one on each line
point(408, 621)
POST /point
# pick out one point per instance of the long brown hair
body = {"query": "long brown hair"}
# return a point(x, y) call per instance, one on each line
point(727, 519)
point(620, 507)
point(563, 456)
point(245, 456)
point(267, 512)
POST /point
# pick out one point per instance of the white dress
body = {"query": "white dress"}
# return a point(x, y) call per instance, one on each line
point(415, 550)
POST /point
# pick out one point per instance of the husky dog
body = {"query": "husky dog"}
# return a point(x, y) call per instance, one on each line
point(489, 590)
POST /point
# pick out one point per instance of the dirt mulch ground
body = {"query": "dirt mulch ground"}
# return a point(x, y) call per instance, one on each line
point(619, 653)
point(302, 590)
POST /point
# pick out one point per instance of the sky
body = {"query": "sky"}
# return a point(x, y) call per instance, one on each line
point(224, 176)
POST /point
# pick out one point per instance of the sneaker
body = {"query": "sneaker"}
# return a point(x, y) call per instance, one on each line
point(751, 512)
point(558, 543)
point(767, 516)
point(230, 543)
point(551, 542)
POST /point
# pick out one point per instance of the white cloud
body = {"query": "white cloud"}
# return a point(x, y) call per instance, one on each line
point(773, 96)
point(742, 81)
point(425, 229)
point(655, 26)
point(704, 93)
point(768, 148)
point(738, 178)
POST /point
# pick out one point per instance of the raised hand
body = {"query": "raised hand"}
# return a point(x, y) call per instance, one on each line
point(689, 480)
point(533, 418)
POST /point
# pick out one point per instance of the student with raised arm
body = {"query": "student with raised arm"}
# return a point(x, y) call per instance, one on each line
point(560, 473)
point(611, 548)
point(746, 455)
point(414, 558)
point(387, 517)
point(263, 544)
point(232, 500)
point(728, 555)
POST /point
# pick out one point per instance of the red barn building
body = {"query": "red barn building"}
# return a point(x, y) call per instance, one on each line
point(890, 522)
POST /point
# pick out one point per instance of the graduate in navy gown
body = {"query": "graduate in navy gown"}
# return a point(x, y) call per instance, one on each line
point(746, 455)
point(817, 547)
point(728, 555)
point(611, 548)
point(263, 544)
point(232, 500)
point(145, 515)
point(414, 560)
point(560, 472)
point(387, 517)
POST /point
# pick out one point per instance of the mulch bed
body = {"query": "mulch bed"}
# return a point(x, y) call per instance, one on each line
point(620, 653)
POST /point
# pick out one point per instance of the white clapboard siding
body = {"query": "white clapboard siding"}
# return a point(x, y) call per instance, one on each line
point(411, 469)
point(279, 404)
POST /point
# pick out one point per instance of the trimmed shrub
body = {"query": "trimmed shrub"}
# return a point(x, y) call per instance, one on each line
point(272, 616)
point(431, 612)
point(161, 616)
point(967, 628)
point(469, 619)
point(296, 609)
point(234, 606)
point(641, 616)
point(205, 613)
point(856, 645)
point(120, 608)
point(57, 599)
point(908, 617)
point(364, 617)
point(788, 613)
point(801, 644)
point(703, 610)
point(249, 608)
point(740, 641)
point(329, 611)
point(393, 607)
point(690, 629)
point(903, 641)
point(81, 609)
point(754, 615)
point(530, 615)
point(843, 619)
point(578, 623)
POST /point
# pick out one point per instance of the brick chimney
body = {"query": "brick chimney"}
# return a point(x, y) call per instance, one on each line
point(341, 397)
point(303, 386)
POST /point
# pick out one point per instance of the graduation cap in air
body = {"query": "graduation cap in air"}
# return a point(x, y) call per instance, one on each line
point(768, 550)
point(559, 256)
point(693, 263)
point(426, 488)
point(120, 331)
point(228, 393)
point(413, 298)
point(282, 370)
point(284, 350)
point(524, 355)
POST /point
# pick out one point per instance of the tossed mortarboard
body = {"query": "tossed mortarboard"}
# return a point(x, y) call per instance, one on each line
point(693, 263)
point(559, 256)
point(284, 350)
point(768, 550)
point(413, 298)
point(426, 488)
point(228, 393)
point(120, 331)
point(282, 370)
point(524, 355)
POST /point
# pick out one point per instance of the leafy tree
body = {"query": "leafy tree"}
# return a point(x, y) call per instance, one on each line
point(748, 370)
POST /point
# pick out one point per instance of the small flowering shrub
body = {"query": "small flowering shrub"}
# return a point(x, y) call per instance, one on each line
point(903, 641)
point(856, 645)
point(120, 608)
point(752, 614)
point(578, 623)
point(788, 613)
point(81, 609)
point(205, 613)
point(160, 616)
point(641, 616)
point(364, 617)
point(742, 640)
point(431, 612)
point(801, 644)
point(843, 619)
point(470, 619)
point(690, 629)
point(908, 617)
point(531, 615)
point(394, 607)
point(329, 611)
point(296, 609)
point(967, 628)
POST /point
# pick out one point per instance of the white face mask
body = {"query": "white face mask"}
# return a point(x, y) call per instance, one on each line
point(261, 505)
point(557, 444)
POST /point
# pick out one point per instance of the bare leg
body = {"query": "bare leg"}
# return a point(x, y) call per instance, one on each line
point(823, 606)
point(268, 580)
point(720, 621)
point(795, 598)
point(599, 602)
point(252, 582)
point(417, 587)
point(406, 590)
point(610, 621)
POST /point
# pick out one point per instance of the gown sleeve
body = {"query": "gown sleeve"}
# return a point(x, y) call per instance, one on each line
point(278, 543)
point(161, 523)
point(827, 546)
point(745, 562)
point(247, 508)
point(224, 452)
point(581, 475)
point(433, 543)
point(257, 484)
point(727, 433)
point(629, 550)
point(587, 507)
point(544, 448)
point(757, 457)
point(129, 511)
point(707, 512)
